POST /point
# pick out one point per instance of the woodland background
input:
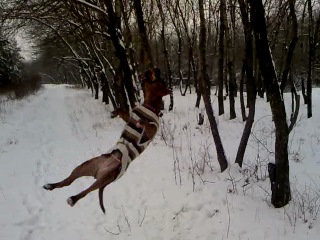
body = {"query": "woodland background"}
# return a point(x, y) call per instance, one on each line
point(246, 49)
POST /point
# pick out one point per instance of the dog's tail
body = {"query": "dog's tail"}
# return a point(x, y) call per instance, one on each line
point(101, 198)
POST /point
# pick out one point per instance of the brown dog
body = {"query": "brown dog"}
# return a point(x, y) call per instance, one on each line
point(142, 125)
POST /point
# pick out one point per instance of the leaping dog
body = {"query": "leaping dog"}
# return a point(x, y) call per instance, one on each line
point(141, 126)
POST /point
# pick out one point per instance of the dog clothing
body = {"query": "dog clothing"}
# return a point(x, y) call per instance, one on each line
point(133, 140)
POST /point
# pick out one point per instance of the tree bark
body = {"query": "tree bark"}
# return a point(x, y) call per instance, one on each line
point(146, 54)
point(230, 64)
point(96, 89)
point(243, 107)
point(205, 91)
point(279, 172)
point(251, 87)
point(310, 61)
point(165, 52)
point(118, 44)
point(106, 90)
point(120, 93)
point(292, 45)
point(303, 91)
point(221, 57)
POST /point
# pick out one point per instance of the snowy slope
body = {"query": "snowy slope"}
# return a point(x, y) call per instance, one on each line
point(172, 191)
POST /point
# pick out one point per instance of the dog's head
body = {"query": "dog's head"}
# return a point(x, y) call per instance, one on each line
point(153, 84)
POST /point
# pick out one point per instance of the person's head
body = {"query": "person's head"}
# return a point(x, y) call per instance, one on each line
point(153, 85)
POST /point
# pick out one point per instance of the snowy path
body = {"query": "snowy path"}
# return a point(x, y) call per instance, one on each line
point(41, 141)
point(45, 136)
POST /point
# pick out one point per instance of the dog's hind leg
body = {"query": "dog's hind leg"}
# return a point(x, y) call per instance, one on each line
point(101, 182)
point(88, 168)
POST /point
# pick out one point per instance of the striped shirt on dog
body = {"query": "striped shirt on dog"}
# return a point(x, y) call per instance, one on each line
point(133, 141)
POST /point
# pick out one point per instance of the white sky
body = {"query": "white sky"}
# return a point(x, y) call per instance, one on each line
point(25, 45)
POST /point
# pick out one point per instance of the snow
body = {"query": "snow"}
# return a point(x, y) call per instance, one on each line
point(174, 190)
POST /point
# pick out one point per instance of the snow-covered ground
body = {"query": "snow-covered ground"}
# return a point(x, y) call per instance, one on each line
point(174, 190)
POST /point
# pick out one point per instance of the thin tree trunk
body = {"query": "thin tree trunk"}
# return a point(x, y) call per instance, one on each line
point(251, 87)
point(146, 55)
point(279, 172)
point(165, 51)
point(120, 93)
point(131, 51)
point(118, 44)
point(105, 97)
point(205, 91)
point(230, 65)
point(190, 50)
point(221, 57)
point(232, 4)
point(313, 42)
point(310, 61)
point(294, 40)
point(107, 91)
point(198, 100)
point(295, 105)
point(303, 91)
point(96, 89)
point(243, 107)
point(179, 58)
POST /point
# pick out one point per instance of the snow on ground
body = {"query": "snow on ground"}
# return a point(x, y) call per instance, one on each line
point(174, 190)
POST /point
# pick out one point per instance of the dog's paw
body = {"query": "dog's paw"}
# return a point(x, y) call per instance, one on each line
point(48, 187)
point(71, 202)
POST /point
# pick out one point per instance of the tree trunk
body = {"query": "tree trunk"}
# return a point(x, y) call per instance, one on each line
point(279, 172)
point(313, 42)
point(165, 51)
point(180, 60)
point(243, 107)
point(131, 51)
point(295, 105)
point(191, 62)
point(120, 93)
point(232, 4)
point(310, 60)
point(146, 55)
point(107, 91)
point(221, 58)
point(231, 96)
point(205, 91)
point(121, 54)
point(260, 88)
point(303, 91)
point(105, 97)
point(294, 40)
point(96, 89)
point(231, 91)
point(251, 87)
point(198, 100)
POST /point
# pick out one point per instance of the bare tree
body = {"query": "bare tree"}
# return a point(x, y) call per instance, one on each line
point(251, 88)
point(221, 55)
point(231, 59)
point(279, 172)
point(205, 90)
point(165, 49)
point(313, 31)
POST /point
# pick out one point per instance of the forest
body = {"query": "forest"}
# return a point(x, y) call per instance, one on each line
point(237, 50)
